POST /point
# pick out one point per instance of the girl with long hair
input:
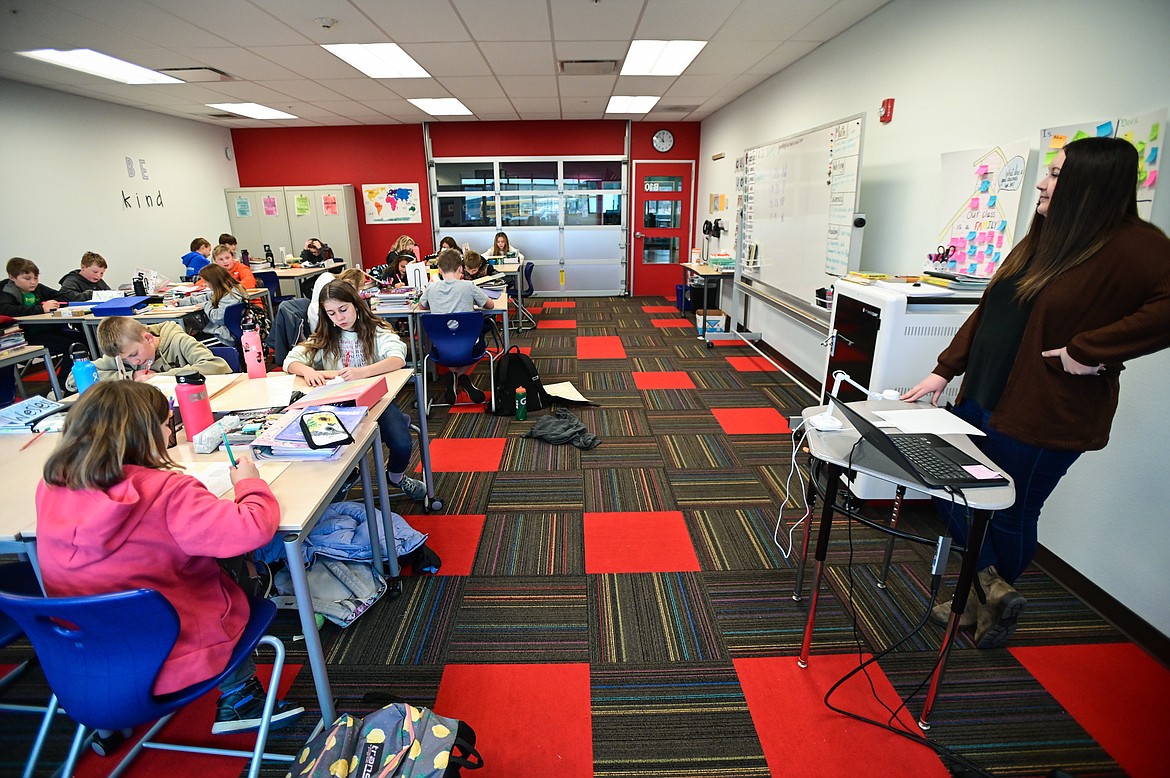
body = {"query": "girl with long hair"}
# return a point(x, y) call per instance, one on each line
point(225, 291)
point(502, 248)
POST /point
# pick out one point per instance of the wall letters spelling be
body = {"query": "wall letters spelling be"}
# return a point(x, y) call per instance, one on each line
point(135, 200)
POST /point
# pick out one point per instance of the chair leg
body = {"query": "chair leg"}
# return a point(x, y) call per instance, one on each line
point(42, 733)
point(79, 739)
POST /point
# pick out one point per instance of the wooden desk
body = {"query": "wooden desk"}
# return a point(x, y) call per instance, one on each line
point(836, 450)
point(22, 354)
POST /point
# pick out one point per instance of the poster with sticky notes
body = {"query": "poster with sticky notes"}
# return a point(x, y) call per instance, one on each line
point(981, 193)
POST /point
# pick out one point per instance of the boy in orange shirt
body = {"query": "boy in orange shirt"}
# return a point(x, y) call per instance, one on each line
point(222, 256)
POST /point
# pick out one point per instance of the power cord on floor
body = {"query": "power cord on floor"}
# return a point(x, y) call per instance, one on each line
point(787, 552)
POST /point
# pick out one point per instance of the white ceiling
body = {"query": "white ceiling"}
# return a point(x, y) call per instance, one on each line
point(499, 57)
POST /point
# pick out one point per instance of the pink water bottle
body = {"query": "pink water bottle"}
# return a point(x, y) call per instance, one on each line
point(194, 405)
point(253, 350)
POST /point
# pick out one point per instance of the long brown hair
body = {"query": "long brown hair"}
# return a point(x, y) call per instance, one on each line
point(221, 284)
point(495, 249)
point(327, 337)
point(115, 423)
point(1098, 190)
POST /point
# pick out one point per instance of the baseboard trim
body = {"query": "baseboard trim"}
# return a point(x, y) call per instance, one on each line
point(1133, 626)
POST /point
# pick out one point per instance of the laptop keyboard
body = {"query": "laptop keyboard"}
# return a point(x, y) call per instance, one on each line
point(927, 460)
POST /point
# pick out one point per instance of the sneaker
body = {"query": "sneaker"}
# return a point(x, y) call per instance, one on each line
point(449, 391)
point(108, 744)
point(260, 584)
point(473, 393)
point(412, 488)
point(241, 710)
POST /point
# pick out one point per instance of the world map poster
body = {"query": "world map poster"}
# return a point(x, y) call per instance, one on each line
point(390, 203)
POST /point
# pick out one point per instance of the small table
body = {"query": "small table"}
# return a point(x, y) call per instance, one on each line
point(515, 269)
point(22, 354)
point(298, 274)
point(707, 273)
point(835, 450)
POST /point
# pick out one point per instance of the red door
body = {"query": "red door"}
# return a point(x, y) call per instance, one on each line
point(660, 225)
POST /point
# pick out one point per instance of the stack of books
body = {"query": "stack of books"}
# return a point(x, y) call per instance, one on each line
point(11, 337)
point(284, 439)
point(394, 300)
point(956, 281)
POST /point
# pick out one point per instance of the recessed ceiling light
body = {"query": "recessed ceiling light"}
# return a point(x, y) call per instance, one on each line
point(378, 60)
point(440, 106)
point(101, 65)
point(251, 110)
point(660, 58)
point(631, 103)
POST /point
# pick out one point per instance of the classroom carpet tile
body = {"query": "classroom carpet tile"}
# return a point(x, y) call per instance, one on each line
point(751, 421)
point(538, 456)
point(736, 539)
point(411, 629)
point(673, 400)
point(716, 489)
point(629, 452)
point(625, 490)
point(536, 492)
point(721, 382)
point(453, 537)
point(664, 422)
point(704, 451)
point(556, 324)
point(468, 407)
point(560, 304)
point(531, 543)
point(646, 363)
point(606, 347)
point(555, 346)
point(675, 379)
point(419, 684)
point(752, 365)
point(461, 493)
point(616, 399)
point(521, 619)
point(595, 331)
point(902, 604)
point(672, 323)
point(639, 618)
point(641, 542)
point(614, 423)
point(466, 455)
point(556, 369)
point(696, 714)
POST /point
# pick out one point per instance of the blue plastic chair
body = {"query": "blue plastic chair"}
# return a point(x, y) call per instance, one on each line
point(102, 653)
point(233, 319)
point(272, 283)
point(456, 341)
point(228, 354)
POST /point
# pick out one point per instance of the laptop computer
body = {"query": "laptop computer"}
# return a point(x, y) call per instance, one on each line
point(926, 458)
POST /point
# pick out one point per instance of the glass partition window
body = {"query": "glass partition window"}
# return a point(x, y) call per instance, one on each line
point(476, 176)
point(529, 210)
point(528, 176)
point(593, 174)
point(663, 184)
point(593, 209)
point(660, 251)
point(662, 214)
point(470, 211)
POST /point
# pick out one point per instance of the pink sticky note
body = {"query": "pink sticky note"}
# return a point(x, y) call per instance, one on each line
point(999, 242)
point(981, 472)
point(960, 244)
point(982, 238)
point(981, 170)
point(1152, 178)
point(974, 203)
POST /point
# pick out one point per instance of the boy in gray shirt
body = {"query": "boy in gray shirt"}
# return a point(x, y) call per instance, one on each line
point(454, 295)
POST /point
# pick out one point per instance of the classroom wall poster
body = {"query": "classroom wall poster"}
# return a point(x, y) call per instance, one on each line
point(243, 207)
point(981, 193)
point(1145, 131)
point(329, 205)
point(390, 203)
point(301, 203)
point(270, 208)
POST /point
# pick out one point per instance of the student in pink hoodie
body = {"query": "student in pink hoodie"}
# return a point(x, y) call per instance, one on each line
point(114, 513)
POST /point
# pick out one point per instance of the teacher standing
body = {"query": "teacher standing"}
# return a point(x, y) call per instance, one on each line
point(1087, 289)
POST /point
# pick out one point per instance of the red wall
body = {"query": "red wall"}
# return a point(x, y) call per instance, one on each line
point(393, 154)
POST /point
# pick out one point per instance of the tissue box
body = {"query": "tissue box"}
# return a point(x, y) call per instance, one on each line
point(715, 321)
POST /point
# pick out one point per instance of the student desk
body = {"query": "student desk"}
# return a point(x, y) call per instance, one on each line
point(835, 450)
point(303, 491)
point(410, 314)
point(515, 269)
point(22, 354)
point(707, 274)
point(299, 274)
point(76, 318)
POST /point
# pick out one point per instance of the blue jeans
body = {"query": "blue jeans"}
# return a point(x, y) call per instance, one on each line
point(394, 425)
point(1011, 534)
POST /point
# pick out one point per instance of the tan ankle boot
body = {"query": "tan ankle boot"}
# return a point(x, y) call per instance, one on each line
point(997, 619)
point(941, 612)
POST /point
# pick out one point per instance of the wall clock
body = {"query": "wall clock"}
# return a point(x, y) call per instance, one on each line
point(663, 141)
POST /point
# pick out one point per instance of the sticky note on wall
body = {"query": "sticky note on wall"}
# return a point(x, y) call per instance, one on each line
point(974, 203)
point(991, 201)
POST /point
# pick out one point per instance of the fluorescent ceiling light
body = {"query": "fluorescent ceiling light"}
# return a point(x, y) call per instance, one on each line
point(660, 58)
point(631, 103)
point(378, 60)
point(97, 64)
point(440, 106)
point(251, 110)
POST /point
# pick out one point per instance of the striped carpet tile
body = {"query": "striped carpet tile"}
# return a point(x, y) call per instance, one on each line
point(555, 369)
point(695, 350)
point(521, 619)
point(635, 340)
point(628, 322)
point(595, 331)
point(624, 490)
point(417, 684)
point(720, 381)
point(629, 452)
point(664, 422)
point(782, 394)
point(586, 315)
point(736, 539)
point(707, 364)
point(1054, 615)
point(705, 452)
point(757, 616)
point(607, 381)
point(463, 493)
point(765, 450)
point(673, 400)
point(615, 422)
point(470, 425)
point(631, 398)
point(717, 489)
point(532, 455)
point(652, 364)
point(785, 486)
point(696, 717)
point(412, 629)
point(535, 492)
point(530, 544)
point(991, 710)
point(651, 617)
point(886, 615)
point(554, 346)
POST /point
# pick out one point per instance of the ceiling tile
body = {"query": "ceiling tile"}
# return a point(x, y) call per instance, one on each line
point(692, 20)
point(784, 55)
point(409, 21)
point(643, 85)
point(524, 20)
point(300, 89)
point(697, 86)
point(840, 17)
point(357, 88)
point(529, 86)
point(527, 105)
point(309, 61)
point(232, 21)
point(472, 86)
point(770, 20)
point(447, 59)
point(520, 59)
point(587, 86)
point(729, 57)
point(596, 21)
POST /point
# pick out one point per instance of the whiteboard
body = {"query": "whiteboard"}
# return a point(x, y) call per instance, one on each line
point(800, 198)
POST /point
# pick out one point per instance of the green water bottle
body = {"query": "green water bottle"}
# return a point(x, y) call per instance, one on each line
point(521, 403)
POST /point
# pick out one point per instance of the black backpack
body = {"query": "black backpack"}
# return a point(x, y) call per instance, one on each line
point(514, 370)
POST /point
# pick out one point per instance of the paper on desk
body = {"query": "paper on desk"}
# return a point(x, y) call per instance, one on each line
point(166, 383)
point(928, 420)
point(215, 475)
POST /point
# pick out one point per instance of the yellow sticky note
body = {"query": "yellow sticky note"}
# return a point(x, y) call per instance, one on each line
point(1154, 131)
point(1058, 141)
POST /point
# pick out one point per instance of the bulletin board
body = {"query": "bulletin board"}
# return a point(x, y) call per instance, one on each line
point(799, 213)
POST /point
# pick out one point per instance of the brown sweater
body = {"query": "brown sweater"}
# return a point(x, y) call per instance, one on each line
point(1113, 307)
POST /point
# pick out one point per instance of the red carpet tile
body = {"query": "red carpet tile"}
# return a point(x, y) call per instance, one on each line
point(674, 379)
point(650, 542)
point(751, 421)
point(560, 304)
point(190, 726)
point(453, 537)
point(662, 323)
point(659, 309)
point(556, 324)
point(736, 342)
point(547, 731)
point(800, 736)
point(600, 347)
point(468, 408)
point(535, 310)
point(465, 455)
point(752, 365)
point(1115, 691)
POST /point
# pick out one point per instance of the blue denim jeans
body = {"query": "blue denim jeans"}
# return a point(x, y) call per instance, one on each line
point(394, 425)
point(1011, 535)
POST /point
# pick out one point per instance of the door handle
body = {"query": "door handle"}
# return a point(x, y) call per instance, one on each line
point(639, 235)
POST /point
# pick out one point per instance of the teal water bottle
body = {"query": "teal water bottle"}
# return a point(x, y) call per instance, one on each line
point(521, 403)
point(84, 371)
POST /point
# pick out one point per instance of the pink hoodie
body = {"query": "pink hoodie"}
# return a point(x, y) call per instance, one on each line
point(163, 530)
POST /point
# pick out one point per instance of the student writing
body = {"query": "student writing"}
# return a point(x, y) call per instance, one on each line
point(135, 350)
point(452, 294)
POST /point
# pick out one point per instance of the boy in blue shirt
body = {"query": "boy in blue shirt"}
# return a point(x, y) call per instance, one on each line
point(454, 295)
point(197, 258)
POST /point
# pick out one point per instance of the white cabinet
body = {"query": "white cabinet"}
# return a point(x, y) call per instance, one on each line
point(288, 216)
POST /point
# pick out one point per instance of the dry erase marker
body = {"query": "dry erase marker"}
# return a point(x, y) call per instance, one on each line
point(228, 447)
